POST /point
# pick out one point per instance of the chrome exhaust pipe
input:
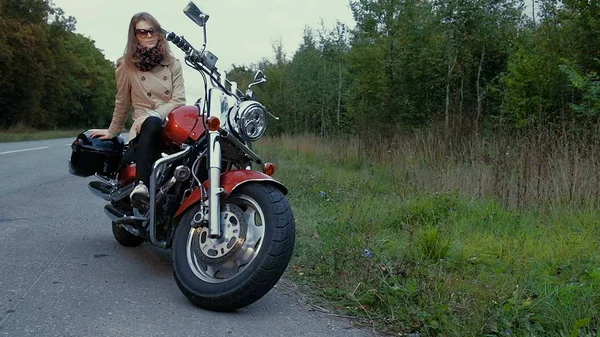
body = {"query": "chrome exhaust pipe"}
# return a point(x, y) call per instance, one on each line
point(119, 217)
point(121, 220)
point(113, 213)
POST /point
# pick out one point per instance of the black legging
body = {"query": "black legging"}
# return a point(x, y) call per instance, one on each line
point(146, 152)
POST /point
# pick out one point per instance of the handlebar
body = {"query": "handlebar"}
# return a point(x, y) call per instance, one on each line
point(186, 47)
point(201, 61)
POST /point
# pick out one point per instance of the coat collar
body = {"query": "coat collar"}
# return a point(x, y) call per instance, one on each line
point(167, 61)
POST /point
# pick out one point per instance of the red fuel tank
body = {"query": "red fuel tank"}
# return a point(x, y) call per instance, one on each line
point(184, 122)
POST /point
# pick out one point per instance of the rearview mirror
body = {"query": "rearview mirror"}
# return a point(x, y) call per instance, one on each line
point(259, 79)
point(259, 76)
point(195, 14)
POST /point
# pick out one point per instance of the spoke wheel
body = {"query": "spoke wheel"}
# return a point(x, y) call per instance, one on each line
point(256, 244)
point(219, 260)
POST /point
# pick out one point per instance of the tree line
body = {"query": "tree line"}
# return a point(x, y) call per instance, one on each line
point(50, 77)
point(471, 66)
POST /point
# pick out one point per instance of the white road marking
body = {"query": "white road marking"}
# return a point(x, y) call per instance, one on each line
point(24, 150)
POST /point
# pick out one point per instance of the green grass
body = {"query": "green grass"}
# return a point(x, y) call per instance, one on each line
point(371, 244)
point(25, 134)
point(416, 240)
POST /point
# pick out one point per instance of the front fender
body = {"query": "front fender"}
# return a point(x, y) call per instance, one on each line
point(230, 181)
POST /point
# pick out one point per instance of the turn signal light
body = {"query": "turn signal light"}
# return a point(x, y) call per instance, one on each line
point(269, 169)
point(213, 123)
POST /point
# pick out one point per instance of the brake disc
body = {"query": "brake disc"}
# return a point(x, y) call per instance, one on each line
point(218, 251)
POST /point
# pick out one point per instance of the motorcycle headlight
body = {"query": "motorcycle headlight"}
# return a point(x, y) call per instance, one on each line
point(252, 120)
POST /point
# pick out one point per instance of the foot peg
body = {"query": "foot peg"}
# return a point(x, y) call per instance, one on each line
point(140, 196)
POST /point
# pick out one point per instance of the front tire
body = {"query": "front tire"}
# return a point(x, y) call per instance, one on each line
point(242, 266)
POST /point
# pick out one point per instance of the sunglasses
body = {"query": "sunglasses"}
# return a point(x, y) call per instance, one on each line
point(144, 32)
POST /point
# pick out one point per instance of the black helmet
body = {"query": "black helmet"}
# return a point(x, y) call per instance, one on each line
point(94, 155)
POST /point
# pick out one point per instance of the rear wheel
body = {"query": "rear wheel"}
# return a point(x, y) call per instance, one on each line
point(247, 261)
point(124, 237)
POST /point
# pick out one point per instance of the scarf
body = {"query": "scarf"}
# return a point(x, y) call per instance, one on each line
point(147, 58)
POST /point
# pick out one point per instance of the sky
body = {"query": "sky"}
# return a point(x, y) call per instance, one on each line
point(239, 32)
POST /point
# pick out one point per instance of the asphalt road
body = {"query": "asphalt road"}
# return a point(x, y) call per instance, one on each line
point(63, 274)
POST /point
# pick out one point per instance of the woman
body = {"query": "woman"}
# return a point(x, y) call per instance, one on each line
point(149, 78)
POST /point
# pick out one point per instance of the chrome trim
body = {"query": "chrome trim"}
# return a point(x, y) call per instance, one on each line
point(104, 180)
point(214, 171)
point(122, 193)
point(130, 219)
point(254, 113)
point(119, 217)
point(182, 173)
point(242, 147)
point(101, 189)
point(116, 193)
point(130, 229)
point(159, 165)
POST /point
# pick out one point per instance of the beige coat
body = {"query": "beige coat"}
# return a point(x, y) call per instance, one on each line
point(151, 93)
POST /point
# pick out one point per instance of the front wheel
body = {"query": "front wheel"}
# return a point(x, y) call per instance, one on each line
point(245, 263)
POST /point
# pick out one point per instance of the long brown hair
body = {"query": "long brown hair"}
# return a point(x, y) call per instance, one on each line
point(132, 41)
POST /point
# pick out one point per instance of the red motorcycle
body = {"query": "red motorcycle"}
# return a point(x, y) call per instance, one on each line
point(230, 228)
